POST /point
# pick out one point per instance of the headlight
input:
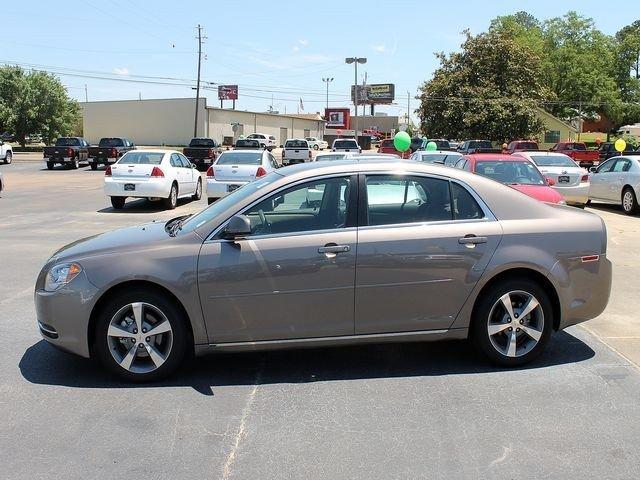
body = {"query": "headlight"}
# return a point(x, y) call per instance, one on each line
point(60, 275)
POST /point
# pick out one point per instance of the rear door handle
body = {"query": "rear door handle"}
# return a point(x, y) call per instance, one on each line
point(333, 248)
point(471, 240)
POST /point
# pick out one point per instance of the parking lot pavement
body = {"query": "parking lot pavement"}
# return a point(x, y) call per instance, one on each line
point(372, 412)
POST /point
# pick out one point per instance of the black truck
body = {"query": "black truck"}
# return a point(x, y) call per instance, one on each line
point(109, 150)
point(202, 151)
point(68, 151)
point(608, 150)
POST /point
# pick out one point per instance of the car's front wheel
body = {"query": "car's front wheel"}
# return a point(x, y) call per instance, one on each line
point(141, 335)
point(629, 201)
point(512, 322)
point(8, 157)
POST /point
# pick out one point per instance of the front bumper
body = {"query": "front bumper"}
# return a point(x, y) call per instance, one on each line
point(216, 189)
point(63, 315)
point(574, 195)
point(154, 187)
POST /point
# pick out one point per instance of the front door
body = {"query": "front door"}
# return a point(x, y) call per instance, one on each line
point(293, 277)
point(600, 181)
point(419, 256)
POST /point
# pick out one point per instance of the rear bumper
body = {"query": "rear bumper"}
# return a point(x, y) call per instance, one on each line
point(294, 161)
point(217, 189)
point(578, 194)
point(154, 187)
point(59, 159)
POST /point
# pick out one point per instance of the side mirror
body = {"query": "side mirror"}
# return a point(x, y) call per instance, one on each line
point(281, 146)
point(238, 227)
point(593, 169)
point(278, 201)
point(550, 181)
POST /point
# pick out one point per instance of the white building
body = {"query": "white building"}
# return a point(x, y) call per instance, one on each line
point(633, 130)
point(170, 122)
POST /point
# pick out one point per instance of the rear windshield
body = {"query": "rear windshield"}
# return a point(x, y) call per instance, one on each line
point(387, 143)
point(345, 144)
point(510, 172)
point(67, 142)
point(111, 142)
point(526, 146)
point(553, 160)
point(576, 146)
point(240, 158)
point(433, 157)
point(480, 144)
point(322, 158)
point(202, 142)
point(248, 143)
point(441, 143)
point(142, 158)
point(256, 135)
point(296, 144)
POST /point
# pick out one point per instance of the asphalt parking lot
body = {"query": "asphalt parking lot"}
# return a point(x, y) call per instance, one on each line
point(376, 412)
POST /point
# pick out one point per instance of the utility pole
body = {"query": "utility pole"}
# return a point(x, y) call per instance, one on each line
point(408, 106)
point(86, 93)
point(200, 40)
point(364, 104)
point(327, 80)
point(355, 61)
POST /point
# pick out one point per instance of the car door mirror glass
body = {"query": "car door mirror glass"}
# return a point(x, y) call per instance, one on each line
point(593, 169)
point(238, 227)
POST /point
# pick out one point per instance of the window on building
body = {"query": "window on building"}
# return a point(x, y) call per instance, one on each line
point(552, 136)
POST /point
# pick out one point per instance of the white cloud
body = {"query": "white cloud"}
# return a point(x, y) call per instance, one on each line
point(381, 48)
point(121, 71)
point(303, 42)
point(296, 48)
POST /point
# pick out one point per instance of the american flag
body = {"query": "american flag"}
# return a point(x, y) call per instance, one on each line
point(301, 105)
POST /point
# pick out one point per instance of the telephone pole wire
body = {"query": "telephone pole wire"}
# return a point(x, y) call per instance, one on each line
point(200, 40)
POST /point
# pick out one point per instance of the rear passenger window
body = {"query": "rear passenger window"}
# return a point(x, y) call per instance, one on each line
point(464, 205)
point(394, 200)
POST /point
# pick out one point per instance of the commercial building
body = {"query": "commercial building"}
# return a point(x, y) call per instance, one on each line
point(170, 122)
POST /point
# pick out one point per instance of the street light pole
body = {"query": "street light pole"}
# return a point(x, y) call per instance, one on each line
point(327, 81)
point(355, 61)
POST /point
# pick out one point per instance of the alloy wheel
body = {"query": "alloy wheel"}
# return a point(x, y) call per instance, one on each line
point(627, 201)
point(516, 323)
point(140, 337)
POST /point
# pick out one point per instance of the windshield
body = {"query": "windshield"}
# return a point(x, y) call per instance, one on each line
point(111, 142)
point(137, 157)
point(432, 157)
point(240, 158)
point(510, 172)
point(345, 144)
point(553, 161)
point(67, 142)
point(576, 146)
point(202, 142)
point(219, 206)
point(321, 158)
point(296, 144)
point(256, 135)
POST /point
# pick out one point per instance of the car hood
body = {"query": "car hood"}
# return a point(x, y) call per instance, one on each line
point(114, 240)
point(543, 193)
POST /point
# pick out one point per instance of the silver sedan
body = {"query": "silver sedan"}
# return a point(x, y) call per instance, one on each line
point(330, 253)
point(617, 181)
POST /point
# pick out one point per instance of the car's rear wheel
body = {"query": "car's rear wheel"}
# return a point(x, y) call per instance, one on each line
point(94, 165)
point(172, 200)
point(117, 202)
point(8, 157)
point(198, 194)
point(50, 165)
point(75, 163)
point(316, 147)
point(512, 322)
point(629, 201)
point(141, 335)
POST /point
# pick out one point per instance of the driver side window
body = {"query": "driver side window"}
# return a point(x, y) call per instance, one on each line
point(318, 205)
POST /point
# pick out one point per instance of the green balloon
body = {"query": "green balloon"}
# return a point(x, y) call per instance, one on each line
point(431, 146)
point(402, 141)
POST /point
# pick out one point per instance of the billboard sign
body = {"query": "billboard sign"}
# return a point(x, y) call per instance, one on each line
point(337, 117)
point(227, 92)
point(375, 94)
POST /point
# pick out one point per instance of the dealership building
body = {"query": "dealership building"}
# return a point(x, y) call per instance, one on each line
point(170, 122)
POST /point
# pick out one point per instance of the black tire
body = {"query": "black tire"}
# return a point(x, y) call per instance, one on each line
point(8, 157)
point(481, 318)
point(198, 195)
point(75, 163)
point(117, 202)
point(211, 200)
point(588, 202)
point(50, 165)
point(181, 338)
point(172, 200)
point(94, 165)
point(316, 147)
point(629, 201)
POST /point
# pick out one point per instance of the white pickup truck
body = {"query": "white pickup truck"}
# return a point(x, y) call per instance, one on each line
point(317, 143)
point(6, 153)
point(296, 150)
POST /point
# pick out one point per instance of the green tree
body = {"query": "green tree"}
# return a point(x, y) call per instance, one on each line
point(35, 102)
point(484, 91)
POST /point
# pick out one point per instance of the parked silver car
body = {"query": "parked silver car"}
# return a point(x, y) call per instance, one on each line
point(330, 253)
point(617, 181)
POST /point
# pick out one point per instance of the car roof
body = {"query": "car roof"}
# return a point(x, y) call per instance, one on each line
point(539, 153)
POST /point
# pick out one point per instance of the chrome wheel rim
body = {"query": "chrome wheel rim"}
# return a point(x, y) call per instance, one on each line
point(174, 196)
point(627, 201)
point(515, 323)
point(199, 190)
point(140, 337)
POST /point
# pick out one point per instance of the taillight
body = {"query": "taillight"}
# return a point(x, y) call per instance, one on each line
point(107, 171)
point(210, 153)
point(69, 152)
point(210, 172)
point(585, 178)
point(260, 172)
point(157, 173)
point(309, 153)
point(114, 152)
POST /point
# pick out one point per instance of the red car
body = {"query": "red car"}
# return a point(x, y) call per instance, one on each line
point(514, 171)
point(521, 146)
point(386, 146)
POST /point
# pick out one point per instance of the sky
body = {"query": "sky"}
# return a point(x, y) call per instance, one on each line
point(277, 52)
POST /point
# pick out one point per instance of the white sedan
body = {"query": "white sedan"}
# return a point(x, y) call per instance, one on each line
point(152, 174)
point(316, 143)
point(235, 168)
point(570, 180)
point(617, 181)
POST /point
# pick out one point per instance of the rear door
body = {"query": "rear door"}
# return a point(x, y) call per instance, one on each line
point(180, 174)
point(418, 258)
point(191, 174)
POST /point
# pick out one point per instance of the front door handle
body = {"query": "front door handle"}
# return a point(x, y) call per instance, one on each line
point(471, 240)
point(333, 248)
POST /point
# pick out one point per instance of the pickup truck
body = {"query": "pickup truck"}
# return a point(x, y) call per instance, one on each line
point(6, 153)
point(387, 146)
point(109, 150)
point(296, 151)
point(521, 146)
point(202, 151)
point(317, 143)
point(578, 152)
point(608, 150)
point(476, 146)
point(68, 151)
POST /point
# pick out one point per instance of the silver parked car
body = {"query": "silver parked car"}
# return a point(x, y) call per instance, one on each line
point(617, 181)
point(330, 253)
point(444, 157)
